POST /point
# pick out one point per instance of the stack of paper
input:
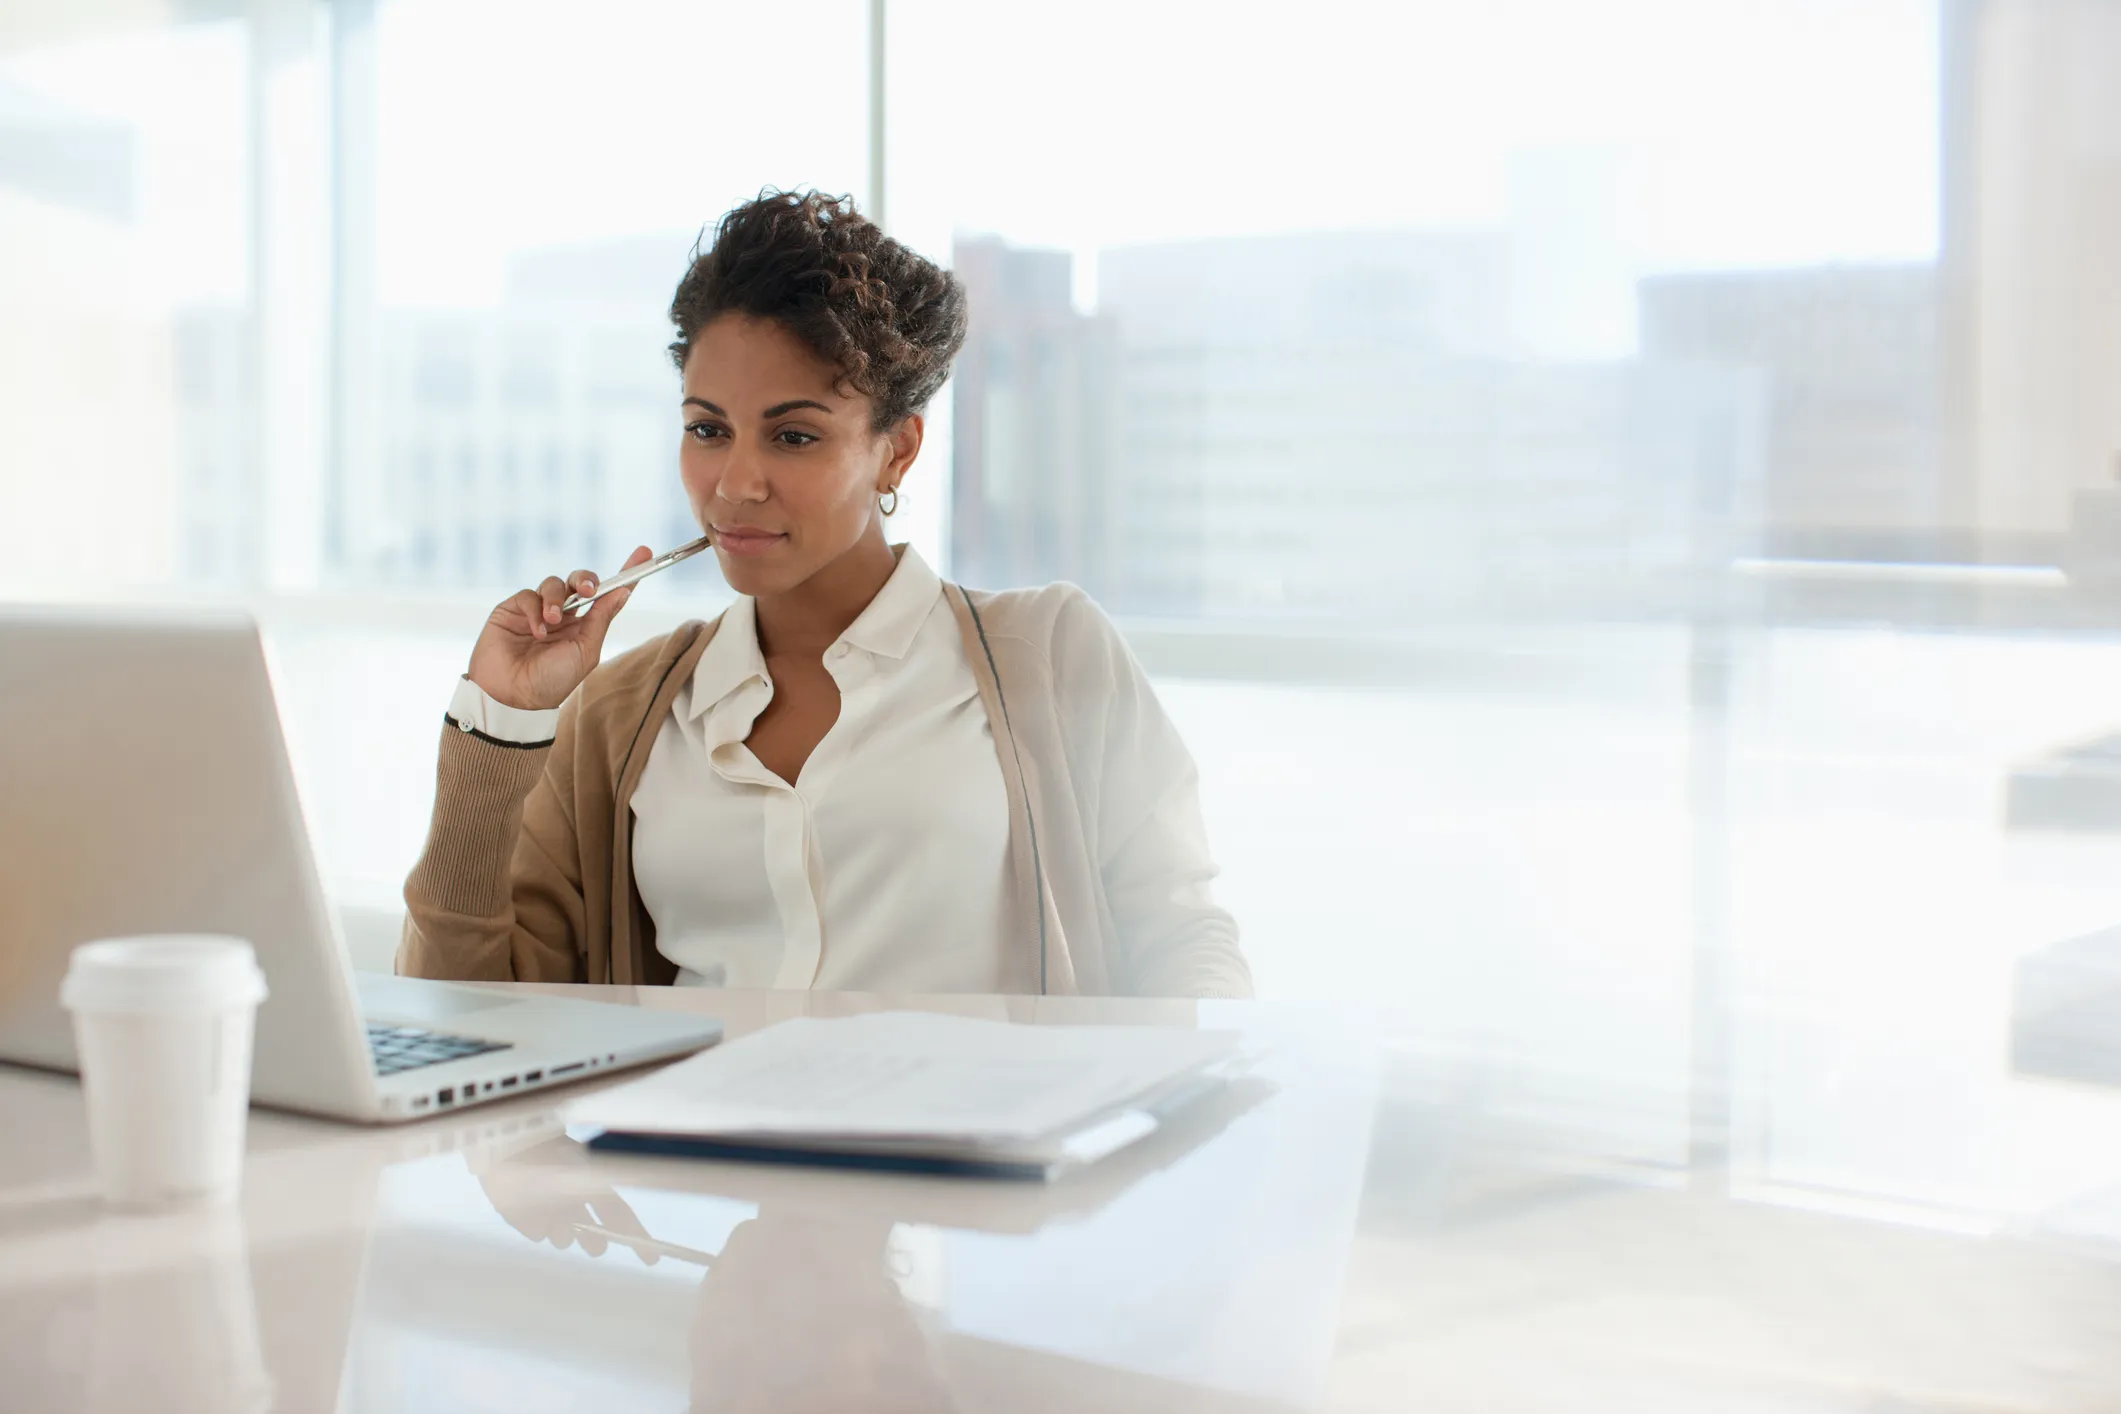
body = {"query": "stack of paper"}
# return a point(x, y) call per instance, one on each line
point(916, 1090)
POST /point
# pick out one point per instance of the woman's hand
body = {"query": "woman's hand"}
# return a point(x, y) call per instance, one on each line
point(530, 655)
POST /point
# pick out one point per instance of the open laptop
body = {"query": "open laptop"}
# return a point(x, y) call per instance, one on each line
point(145, 788)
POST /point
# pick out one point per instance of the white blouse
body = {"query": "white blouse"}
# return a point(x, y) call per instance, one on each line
point(883, 867)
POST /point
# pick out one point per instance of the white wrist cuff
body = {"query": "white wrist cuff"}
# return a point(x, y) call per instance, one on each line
point(473, 711)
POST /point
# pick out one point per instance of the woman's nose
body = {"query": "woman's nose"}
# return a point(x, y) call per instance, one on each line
point(743, 478)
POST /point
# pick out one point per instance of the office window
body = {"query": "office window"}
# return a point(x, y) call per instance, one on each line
point(523, 187)
point(126, 257)
point(1428, 312)
point(1622, 497)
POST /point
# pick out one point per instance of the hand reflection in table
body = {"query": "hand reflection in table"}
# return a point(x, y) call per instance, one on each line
point(798, 1312)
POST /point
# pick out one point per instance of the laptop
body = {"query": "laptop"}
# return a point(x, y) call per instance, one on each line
point(145, 788)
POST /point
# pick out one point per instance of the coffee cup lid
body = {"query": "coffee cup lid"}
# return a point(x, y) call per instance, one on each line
point(165, 972)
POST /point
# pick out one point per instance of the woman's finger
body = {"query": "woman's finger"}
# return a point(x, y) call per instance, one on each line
point(532, 608)
point(553, 591)
point(613, 1212)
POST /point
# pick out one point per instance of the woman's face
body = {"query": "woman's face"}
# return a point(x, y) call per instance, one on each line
point(782, 466)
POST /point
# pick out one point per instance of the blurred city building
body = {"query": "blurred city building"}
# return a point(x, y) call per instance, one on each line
point(1346, 426)
point(1847, 362)
point(1033, 494)
point(509, 443)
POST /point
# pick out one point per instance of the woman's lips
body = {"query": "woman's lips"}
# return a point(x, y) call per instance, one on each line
point(745, 540)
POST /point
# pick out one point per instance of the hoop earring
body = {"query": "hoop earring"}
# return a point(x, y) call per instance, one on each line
point(892, 509)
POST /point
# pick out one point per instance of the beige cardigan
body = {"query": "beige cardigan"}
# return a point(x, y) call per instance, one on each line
point(528, 869)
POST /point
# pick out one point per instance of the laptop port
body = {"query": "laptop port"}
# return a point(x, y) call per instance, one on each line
point(448, 1095)
point(532, 1077)
point(508, 1083)
point(564, 1069)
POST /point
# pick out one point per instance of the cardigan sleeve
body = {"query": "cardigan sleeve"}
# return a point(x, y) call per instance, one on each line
point(1171, 938)
point(497, 892)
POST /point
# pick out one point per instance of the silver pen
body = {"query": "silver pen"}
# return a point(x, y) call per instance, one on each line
point(638, 573)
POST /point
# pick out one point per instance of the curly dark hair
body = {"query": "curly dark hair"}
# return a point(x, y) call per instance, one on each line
point(889, 320)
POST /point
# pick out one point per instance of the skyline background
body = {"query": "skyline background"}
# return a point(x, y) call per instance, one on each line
point(1588, 357)
point(446, 257)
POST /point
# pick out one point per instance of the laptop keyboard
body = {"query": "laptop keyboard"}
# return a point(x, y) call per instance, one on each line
point(397, 1048)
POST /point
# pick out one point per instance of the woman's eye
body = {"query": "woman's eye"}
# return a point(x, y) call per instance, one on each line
point(702, 431)
point(794, 437)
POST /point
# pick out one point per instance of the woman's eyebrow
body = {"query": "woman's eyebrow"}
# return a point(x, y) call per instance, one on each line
point(775, 411)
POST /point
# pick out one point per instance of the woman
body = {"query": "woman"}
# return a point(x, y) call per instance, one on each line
point(859, 777)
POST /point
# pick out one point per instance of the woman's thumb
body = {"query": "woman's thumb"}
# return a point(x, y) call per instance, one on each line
point(603, 611)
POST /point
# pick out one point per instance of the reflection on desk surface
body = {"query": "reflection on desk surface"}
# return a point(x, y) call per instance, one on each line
point(491, 1261)
point(1135, 1284)
point(1441, 1232)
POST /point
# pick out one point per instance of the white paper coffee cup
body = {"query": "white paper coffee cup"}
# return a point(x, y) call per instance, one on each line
point(163, 1029)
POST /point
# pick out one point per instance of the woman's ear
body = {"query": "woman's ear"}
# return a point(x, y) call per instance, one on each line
point(905, 443)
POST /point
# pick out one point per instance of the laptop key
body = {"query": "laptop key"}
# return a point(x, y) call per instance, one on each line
point(400, 1048)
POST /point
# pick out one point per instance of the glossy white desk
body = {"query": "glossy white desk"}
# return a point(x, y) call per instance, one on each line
point(1363, 1229)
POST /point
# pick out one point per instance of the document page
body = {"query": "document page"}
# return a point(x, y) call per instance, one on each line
point(904, 1075)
